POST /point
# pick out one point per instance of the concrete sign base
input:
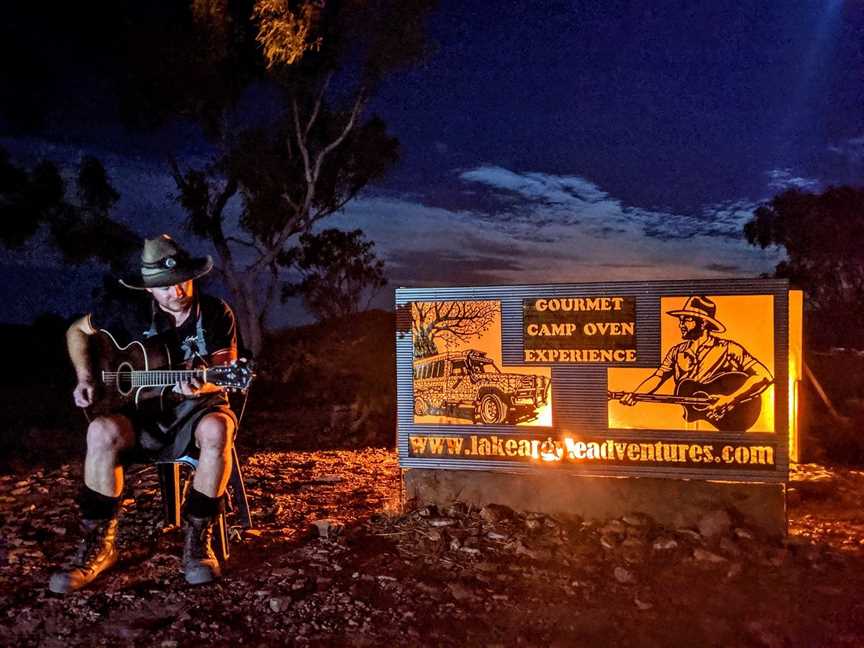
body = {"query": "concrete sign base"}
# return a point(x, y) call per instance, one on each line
point(675, 503)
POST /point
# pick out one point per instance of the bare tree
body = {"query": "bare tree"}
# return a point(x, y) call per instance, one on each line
point(316, 156)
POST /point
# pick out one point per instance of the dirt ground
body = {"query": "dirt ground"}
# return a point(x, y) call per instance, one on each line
point(388, 573)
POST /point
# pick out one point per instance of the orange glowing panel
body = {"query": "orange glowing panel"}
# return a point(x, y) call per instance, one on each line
point(716, 369)
point(796, 365)
point(458, 376)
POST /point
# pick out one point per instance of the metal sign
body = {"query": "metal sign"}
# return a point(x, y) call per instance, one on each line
point(677, 379)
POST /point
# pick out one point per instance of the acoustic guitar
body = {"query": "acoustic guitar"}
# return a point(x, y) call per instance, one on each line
point(142, 370)
point(696, 396)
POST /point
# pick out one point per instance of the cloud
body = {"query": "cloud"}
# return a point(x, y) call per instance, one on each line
point(852, 149)
point(780, 179)
point(424, 245)
point(530, 202)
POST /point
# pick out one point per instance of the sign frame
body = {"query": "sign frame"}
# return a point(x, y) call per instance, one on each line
point(579, 403)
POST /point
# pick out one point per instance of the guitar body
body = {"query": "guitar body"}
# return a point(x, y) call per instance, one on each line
point(116, 392)
point(737, 419)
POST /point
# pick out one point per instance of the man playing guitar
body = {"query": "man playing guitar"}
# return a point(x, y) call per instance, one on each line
point(192, 418)
point(702, 358)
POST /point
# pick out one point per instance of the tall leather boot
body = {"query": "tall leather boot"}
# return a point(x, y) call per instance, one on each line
point(200, 564)
point(96, 553)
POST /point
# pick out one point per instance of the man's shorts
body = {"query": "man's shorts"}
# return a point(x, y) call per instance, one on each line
point(169, 433)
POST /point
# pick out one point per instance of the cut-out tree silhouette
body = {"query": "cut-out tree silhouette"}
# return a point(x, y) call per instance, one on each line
point(448, 323)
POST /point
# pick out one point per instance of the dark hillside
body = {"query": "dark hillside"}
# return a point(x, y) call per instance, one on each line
point(38, 422)
point(326, 385)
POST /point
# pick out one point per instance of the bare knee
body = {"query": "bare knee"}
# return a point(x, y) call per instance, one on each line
point(214, 432)
point(109, 435)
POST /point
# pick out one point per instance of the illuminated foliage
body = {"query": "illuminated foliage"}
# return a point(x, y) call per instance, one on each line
point(286, 34)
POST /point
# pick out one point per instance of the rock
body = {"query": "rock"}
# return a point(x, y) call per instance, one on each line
point(440, 522)
point(624, 576)
point(459, 592)
point(689, 533)
point(777, 557)
point(326, 528)
point(742, 534)
point(638, 520)
point(279, 603)
point(498, 537)
point(715, 523)
point(492, 513)
point(633, 550)
point(522, 550)
point(533, 524)
point(704, 555)
point(613, 526)
point(456, 509)
point(642, 602)
point(734, 571)
point(664, 544)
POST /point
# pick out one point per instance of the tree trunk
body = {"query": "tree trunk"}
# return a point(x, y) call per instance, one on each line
point(250, 328)
point(246, 307)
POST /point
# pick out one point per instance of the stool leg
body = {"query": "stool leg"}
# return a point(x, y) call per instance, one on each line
point(239, 488)
point(169, 482)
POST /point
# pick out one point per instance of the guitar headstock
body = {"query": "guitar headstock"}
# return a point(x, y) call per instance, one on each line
point(235, 376)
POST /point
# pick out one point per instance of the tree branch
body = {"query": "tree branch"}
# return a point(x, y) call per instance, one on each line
point(318, 101)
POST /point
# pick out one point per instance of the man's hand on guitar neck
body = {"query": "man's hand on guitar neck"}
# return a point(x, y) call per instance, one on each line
point(195, 387)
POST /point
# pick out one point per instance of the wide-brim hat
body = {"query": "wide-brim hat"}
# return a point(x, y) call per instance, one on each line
point(164, 263)
point(701, 307)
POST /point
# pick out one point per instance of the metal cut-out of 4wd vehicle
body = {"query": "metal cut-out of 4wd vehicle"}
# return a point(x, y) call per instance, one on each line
point(468, 385)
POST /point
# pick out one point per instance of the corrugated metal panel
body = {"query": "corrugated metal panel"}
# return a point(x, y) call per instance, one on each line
point(579, 406)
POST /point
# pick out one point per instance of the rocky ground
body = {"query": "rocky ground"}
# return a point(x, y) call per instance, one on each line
point(337, 558)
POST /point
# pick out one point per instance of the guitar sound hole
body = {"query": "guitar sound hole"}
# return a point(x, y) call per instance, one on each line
point(700, 394)
point(124, 378)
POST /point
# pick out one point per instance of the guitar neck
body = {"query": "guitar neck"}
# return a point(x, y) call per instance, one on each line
point(155, 378)
point(662, 398)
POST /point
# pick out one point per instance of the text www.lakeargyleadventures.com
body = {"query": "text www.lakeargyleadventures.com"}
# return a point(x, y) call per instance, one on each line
point(606, 451)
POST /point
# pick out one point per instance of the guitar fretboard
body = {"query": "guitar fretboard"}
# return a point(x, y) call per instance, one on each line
point(152, 378)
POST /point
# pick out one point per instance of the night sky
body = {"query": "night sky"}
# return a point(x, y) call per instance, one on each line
point(543, 142)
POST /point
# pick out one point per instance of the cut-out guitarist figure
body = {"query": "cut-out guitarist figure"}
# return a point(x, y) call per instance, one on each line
point(719, 371)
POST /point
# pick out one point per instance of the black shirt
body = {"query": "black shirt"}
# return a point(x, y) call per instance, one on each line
point(209, 328)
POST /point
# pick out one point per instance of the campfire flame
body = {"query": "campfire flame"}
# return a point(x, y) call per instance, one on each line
point(551, 450)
